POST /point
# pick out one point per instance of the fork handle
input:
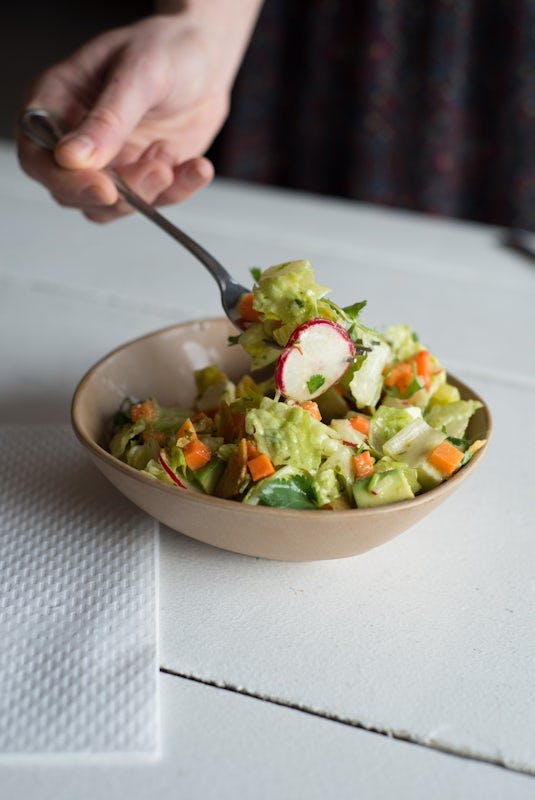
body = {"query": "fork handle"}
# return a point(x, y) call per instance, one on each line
point(45, 130)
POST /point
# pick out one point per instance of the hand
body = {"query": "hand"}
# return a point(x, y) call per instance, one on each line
point(148, 99)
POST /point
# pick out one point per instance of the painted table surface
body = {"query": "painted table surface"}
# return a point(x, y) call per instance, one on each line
point(327, 679)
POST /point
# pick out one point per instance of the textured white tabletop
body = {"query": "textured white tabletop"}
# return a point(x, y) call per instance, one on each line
point(428, 639)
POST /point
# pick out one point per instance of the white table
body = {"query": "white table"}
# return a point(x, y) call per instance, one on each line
point(334, 679)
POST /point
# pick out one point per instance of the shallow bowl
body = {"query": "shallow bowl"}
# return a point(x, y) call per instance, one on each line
point(161, 364)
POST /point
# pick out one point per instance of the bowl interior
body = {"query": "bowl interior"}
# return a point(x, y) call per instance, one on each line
point(161, 364)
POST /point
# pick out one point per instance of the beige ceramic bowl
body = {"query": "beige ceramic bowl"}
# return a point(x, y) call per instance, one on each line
point(161, 364)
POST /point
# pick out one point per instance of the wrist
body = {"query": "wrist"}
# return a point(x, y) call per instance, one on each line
point(223, 31)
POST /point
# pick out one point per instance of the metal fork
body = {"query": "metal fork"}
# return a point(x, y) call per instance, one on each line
point(45, 130)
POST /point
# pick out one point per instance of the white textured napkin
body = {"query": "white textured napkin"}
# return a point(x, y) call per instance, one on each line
point(78, 605)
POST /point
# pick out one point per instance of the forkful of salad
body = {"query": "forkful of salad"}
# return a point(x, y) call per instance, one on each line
point(318, 351)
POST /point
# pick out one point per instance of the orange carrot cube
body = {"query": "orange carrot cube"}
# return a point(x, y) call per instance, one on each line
point(362, 464)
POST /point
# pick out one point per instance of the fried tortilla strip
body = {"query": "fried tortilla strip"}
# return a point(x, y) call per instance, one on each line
point(235, 473)
point(230, 424)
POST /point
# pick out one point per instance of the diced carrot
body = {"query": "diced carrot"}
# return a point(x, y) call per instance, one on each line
point(360, 423)
point(260, 467)
point(312, 408)
point(197, 454)
point(423, 366)
point(158, 436)
point(146, 410)
point(252, 452)
point(362, 464)
point(186, 431)
point(445, 457)
point(400, 375)
point(247, 312)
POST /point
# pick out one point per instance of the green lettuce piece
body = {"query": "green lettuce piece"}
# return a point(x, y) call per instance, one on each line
point(287, 488)
point(169, 419)
point(124, 435)
point(366, 382)
point(155, 470)
point(326, 486)
point(413, 443)
point(207, 376)
point(452, 418)
point(288, 292)
point(387, 421)
point(260, 346)
point(340, 462)
point(403, 341)
point(290, 435)
point(446, 393)
point(139, 455)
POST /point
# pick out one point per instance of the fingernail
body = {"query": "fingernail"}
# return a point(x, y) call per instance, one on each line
point(92, 196)
point(151, 182)
point(80, 148)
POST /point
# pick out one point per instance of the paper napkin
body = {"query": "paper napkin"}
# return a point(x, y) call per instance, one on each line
point(78, 605)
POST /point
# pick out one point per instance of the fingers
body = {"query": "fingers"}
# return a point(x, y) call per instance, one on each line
point(129, 93)
point(157, 182)
point(80, 188)
point(148, 178)
point(188, 178)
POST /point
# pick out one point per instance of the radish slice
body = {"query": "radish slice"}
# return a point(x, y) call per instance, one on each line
point(174, 477)
point(316, 356)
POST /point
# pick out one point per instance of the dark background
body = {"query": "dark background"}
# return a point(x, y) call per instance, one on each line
point(427, 105)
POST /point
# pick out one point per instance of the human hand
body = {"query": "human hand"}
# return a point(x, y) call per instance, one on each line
point(147, 99)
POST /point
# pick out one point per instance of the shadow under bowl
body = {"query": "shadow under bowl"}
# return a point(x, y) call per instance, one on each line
point(161, 364)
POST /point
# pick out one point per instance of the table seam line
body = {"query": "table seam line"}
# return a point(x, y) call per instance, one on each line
point(322, 714)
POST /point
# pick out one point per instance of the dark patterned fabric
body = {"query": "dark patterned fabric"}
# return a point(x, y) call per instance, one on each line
point(425, 104)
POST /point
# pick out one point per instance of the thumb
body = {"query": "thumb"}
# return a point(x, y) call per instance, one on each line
point(126, 97)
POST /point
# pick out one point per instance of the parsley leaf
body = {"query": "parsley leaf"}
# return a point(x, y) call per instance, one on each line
point(315, 382)
point(353, 311)
point(256, 272)
point(233, 340)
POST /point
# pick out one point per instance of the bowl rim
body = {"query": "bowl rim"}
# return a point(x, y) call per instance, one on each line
point(198, 498)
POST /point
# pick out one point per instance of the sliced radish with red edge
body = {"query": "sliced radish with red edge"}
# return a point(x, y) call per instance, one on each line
point(316, 356)
point(174, 477)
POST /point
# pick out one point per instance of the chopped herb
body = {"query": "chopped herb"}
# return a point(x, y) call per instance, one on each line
point(315, 382)
point(415, 337)
point(456, 440)
point(354, 310)
point(299, 303)
point(233, 340)
point(256, 272)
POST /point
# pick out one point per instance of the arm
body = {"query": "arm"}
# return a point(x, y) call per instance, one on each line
point(148, 98)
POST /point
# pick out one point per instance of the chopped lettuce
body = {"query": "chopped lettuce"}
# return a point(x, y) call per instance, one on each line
point(123, 436)
point(403, 341)
point(387, 421)
point(366, 382)
point(314, 460)
point(452, 418)
point(288, 292)
point(413, 443)
point(326, 486)
point(262, 349)
point(290, 435)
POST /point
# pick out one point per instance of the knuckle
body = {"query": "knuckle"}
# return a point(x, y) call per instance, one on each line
point(106, 117)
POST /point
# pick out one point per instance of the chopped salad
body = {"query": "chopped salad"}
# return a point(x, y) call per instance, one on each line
point(347, 416)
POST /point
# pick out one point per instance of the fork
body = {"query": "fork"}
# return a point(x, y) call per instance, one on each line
point(45, 130)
